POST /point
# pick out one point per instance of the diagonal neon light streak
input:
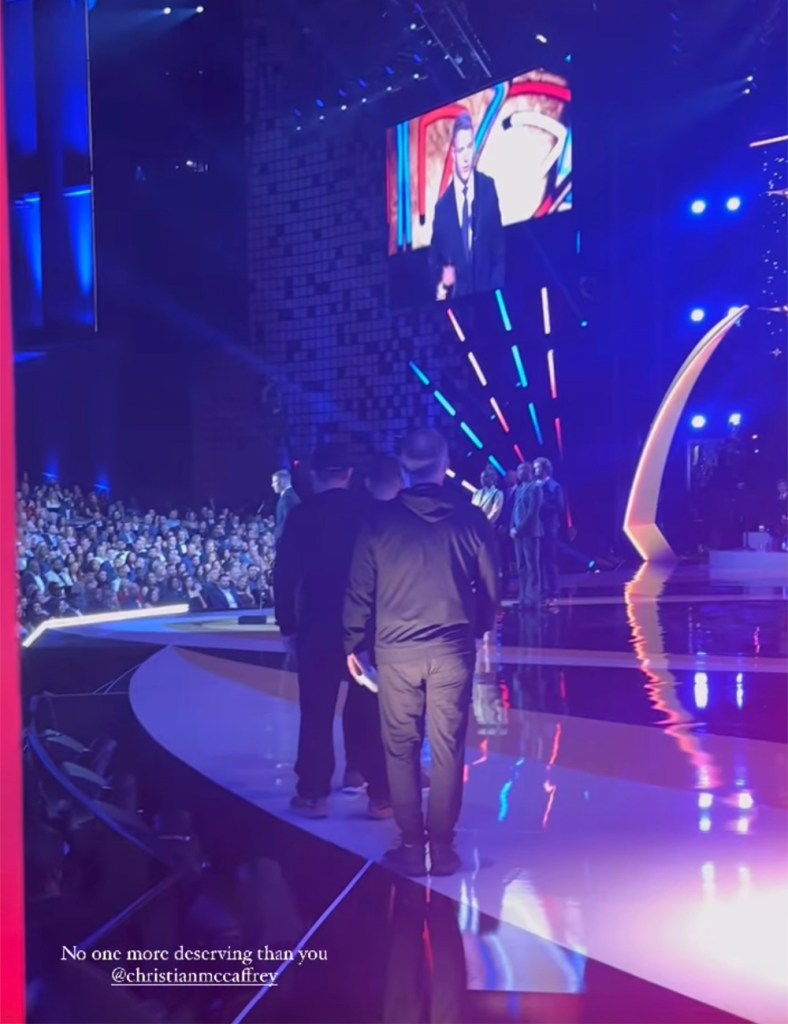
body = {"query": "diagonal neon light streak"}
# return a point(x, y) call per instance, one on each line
point(425, 380)
point(467, 430)
point(501, 418)
point(551, 371)
point(504, 312)
point(474, 363)
point(446, 404)
point(546, 311)
point(518, 362)
point(455, 324)
point(535, 421)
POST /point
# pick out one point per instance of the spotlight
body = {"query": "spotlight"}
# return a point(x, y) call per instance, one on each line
point(747, 91)
point(167, 10)
point(698, 206)
point(750, 78)
point(735, 419)
point(363, 99)
point(343, 107)
point(540, 38)
point(200, 9)
point(733, 204)
point(698, 422)
point(697, 315)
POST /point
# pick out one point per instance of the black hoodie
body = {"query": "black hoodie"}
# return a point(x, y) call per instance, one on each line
point(425, 572)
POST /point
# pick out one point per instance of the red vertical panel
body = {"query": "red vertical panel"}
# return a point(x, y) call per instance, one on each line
point(12, 931)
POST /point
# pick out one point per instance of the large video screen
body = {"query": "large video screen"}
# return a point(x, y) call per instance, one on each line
point(458, 177)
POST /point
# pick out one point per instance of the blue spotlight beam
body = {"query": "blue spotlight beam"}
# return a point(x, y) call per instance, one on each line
point(518, 362)
point(535, 421)
point(504, 312)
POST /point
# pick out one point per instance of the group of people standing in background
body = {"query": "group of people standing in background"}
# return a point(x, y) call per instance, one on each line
point(528, 512)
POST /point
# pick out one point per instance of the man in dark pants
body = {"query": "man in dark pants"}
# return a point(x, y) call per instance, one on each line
point(310, 579)
point(425, 573)
point(552, 510)
point(383, 482)
point(526, 532)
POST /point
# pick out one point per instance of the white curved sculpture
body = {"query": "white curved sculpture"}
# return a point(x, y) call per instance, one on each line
point(640, 519)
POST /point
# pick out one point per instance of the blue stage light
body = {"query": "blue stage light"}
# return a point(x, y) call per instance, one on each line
point(733, 204)
point(698, 206)
point(735, 419)
point(446, 404)
point(697, 315)
point(200, 10)
point(541, 39)
point(698, 422)
point(507, 323)
point(425, 380)
point(320, 103)
point(167, 10)
point(467, 430)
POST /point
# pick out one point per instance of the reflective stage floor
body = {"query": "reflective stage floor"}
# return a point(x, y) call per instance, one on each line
point(624, 831)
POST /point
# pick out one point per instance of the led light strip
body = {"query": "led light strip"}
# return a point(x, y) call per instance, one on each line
point(551, 372)
point(501, 418)
point(455, 324)
point(504, 312)
point(535, 421)
point(479, 373)
point(103, 617)
point(546, 311)
point(518, 362)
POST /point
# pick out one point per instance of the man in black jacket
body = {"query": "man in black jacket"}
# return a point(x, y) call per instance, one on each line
point(425, 573)
point(310, 580)
point(467, 247)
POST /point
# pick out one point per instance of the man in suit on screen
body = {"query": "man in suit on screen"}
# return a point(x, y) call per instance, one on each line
point(467, 248)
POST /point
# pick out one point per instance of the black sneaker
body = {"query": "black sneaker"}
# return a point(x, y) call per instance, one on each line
point(407, 859)
point(444, 859)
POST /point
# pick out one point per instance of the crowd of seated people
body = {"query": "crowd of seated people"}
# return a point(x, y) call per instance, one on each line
point(81, 552)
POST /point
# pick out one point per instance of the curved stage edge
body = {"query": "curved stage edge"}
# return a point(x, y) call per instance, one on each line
point(579, 836)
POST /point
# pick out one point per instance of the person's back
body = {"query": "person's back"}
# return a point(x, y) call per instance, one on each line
point(312, 566)
point(425, 576)
point(435, 572)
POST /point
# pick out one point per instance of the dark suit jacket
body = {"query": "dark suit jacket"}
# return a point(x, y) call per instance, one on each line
point(483, 270)
point(287, 502)
point(526, 521)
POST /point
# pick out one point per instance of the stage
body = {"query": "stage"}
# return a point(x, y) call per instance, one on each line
point(624, 829)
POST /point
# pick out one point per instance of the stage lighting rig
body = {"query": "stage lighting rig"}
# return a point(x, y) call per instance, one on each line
point(447, 28)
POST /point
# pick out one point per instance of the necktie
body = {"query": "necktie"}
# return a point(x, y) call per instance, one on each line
point(466, 221)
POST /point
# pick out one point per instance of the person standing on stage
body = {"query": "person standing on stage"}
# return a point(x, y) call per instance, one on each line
point(425, 574)
point(552, 510)
point(384, 480)
point(526, 532)
point(489, 498)
point(310, 579)
point(282, 484)
point(383, 483)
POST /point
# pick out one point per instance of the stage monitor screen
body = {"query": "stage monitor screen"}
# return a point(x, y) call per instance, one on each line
point(459, 177)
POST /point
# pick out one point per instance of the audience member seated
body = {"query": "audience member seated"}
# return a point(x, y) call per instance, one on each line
point(80, 553)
